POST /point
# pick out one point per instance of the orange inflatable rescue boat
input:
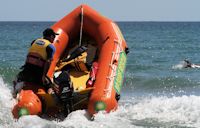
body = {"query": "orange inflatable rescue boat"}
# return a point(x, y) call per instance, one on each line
point(92, 49)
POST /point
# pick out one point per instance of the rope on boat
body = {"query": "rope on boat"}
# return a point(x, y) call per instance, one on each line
point(112, 65)
point(81, 28)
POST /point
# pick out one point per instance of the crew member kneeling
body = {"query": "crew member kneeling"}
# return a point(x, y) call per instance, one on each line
point(38, 59)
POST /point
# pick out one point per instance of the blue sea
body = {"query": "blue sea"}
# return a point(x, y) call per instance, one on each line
point(157, 92)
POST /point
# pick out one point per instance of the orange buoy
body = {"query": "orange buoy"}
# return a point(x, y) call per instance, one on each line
point(28, 104)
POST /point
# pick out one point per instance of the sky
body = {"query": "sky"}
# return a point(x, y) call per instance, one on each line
point(117, 10)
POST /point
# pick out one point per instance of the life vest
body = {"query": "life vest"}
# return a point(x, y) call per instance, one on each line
point(37, 53)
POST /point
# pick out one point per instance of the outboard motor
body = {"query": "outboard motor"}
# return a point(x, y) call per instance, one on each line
point(63, 80)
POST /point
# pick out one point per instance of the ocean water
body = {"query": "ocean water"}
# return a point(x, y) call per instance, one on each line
point(157, 91)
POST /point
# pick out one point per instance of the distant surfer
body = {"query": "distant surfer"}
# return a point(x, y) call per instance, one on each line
point(188, 64)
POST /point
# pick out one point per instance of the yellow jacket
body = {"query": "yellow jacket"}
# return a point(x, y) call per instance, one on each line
point(39, 47)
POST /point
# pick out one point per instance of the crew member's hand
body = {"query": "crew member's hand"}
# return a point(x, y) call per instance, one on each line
point(50, 91)
point(53, 87)
point(56, 88)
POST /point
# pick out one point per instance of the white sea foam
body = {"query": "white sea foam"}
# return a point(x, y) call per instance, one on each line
point(180, 65)
point(183, 111)
point(6, 103)
point(141, 112)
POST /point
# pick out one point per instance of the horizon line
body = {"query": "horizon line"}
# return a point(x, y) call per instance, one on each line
point(112, 20)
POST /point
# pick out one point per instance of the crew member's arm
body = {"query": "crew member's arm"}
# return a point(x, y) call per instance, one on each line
point(50, 52)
